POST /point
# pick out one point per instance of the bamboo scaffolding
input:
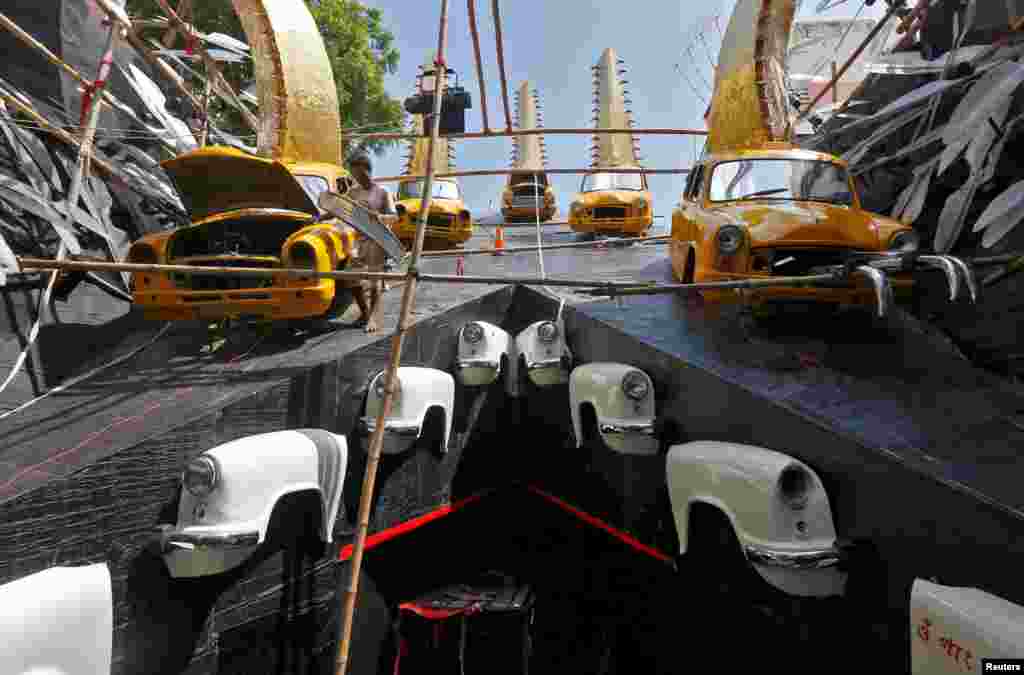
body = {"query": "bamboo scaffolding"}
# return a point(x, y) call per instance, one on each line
point(501, 62)
point(569, 131)
point(505, 172)
point(95, 266)
point(39, 264)
point(220, 83)
point(404, 319)
point(55, 60)
point(67, 239)
point(115, 13)
point(471, 6)
point(60, 134)
point(740, 284)
point(660, 239)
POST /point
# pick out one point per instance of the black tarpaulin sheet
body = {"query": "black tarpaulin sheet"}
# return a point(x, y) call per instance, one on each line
point(74, 31)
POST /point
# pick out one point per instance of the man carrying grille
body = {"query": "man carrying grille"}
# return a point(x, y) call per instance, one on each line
point(371, 257)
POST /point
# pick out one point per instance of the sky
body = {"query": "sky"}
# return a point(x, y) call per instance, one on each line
point(554, 45)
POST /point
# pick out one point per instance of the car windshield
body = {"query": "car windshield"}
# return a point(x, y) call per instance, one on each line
point(612, 181)
point(781, 179)
point(528, 179)
point(441, 190)
point(314, 186)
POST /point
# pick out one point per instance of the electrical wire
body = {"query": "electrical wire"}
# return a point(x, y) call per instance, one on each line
point(540, 256)
point(84, 376)
point(853, 21)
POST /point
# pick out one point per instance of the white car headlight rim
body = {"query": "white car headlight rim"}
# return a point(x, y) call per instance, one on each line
point(794, 487)
point(729, 239)
point(635, 386)
point(201, 476)
point(473, 333)
point(909, 241)
point(547, 332)
point(379, 386)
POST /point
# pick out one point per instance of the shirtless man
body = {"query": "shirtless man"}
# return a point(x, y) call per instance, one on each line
point(371, 256)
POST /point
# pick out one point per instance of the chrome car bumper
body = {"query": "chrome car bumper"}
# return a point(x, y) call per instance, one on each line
point(545, 364)
point(395, 427)
point(493, 364)
point(627, 428)
point(795, 560)
point(222, 540)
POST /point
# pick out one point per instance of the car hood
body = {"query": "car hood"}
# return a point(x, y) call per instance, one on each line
point(611, 198)
point(451, 206)
point(214, 180)
point(807, 224)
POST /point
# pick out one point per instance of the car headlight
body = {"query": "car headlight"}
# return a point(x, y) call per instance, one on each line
point(382, 378)
point(547, 332)
point(794, 486)
point(730, 239)
point(473, 333)
point(201, 476)
point(302, 255)
point(142, 254)
point(907, 242)
point(635, 386)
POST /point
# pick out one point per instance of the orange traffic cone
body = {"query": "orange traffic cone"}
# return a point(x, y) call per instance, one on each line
point(499, 240)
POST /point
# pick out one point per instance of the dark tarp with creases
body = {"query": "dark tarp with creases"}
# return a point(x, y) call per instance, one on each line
point(74, 31)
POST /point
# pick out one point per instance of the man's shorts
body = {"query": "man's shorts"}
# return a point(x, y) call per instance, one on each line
point(369, 258)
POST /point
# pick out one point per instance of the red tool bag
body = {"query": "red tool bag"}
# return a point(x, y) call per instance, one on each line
point(464, 629)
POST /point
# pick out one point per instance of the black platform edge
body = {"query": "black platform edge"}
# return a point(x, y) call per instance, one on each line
point(108, 509)
point(923, 525)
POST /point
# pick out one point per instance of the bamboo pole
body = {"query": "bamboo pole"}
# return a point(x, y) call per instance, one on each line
point(471, 6)
point(408, 300)
point(95, 266)
point(505, 172)
point(55, 60)
point(205, 133)
point(171, 35)
point(501, 63)
point(68, 241)
point(59, 133)
point(773, 282)
point(89, 265)
point(398, 136)
point(660, 239)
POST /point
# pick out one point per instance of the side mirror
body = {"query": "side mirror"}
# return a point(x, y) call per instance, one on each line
point(358, 216)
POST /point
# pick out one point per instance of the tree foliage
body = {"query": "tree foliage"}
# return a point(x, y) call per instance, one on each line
point(361, 50)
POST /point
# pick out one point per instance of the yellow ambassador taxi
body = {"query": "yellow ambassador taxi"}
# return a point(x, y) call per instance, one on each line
point(449, 222)
point(246, 211)
point(527, 196)
point(612, 203)
point(779, 211)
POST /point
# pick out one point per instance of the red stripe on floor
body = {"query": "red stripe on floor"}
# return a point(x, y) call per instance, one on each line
point(410, 525)
point(591, 520)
